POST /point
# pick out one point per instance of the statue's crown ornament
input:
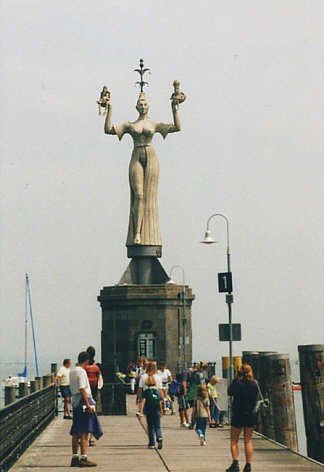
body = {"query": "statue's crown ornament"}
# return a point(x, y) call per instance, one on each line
point(141, 72)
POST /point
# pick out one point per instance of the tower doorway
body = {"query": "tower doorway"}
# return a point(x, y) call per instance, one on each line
point(147, 345)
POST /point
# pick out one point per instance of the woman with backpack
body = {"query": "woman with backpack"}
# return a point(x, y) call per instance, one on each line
point(201, 413)
point(150, 371)
point(151, 405)
point(94, 373)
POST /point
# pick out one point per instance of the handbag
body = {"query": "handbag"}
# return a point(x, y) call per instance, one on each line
point(262, 405)
point(100, 382)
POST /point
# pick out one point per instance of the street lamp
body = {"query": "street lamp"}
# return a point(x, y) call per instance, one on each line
point(184, 319)
point(229, 296)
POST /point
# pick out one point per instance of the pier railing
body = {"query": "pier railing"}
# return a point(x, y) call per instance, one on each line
point(22, 421)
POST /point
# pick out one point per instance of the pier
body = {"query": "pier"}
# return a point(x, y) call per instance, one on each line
point(123, 448)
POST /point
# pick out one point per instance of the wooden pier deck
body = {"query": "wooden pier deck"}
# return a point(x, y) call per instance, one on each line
point(123, 448)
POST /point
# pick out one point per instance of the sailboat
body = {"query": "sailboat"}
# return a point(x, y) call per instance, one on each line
point(23, 376)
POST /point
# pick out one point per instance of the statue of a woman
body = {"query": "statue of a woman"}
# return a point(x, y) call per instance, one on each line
point(144, 228)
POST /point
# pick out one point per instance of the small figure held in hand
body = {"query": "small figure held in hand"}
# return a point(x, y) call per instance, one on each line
point(177, 97)
point(104, 100)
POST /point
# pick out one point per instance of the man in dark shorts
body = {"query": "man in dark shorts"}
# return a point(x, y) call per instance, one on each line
point(64, 376)
point(182, 401)
point(193, 378)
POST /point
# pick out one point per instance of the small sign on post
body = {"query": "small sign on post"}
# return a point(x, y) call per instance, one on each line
point(225, 283)
point(224, 332)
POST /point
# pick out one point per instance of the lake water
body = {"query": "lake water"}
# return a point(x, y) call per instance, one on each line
point(14, 367)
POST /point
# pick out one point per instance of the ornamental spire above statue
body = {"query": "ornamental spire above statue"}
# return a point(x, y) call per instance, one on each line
point(143, 228)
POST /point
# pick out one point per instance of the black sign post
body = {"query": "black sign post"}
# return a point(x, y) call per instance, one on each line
point(224, 332)
point(225, 283)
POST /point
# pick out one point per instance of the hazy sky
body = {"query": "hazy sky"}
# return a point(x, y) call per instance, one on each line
point(251, 146)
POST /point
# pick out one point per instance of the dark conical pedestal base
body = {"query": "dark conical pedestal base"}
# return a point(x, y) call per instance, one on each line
point(144, 268)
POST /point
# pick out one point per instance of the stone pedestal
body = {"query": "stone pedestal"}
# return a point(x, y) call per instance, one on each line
point(144, 320)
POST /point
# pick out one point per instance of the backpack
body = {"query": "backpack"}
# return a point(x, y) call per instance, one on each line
point(175, 388)
point(153, 399)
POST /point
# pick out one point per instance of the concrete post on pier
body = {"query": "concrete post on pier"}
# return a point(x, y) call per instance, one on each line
point(46, 380)
point(10, 394)
point(34, 386)
point(40, 382)
point(280, 422)
point(311, 359)
point(23, 389)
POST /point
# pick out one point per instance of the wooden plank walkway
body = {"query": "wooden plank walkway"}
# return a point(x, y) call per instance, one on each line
point(123, 448)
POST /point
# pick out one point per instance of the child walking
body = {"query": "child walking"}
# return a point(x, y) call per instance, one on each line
point(201, 412)
point(152, 408)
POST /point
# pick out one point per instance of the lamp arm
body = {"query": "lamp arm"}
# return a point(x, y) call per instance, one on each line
point(227, 227)
point(183, 273)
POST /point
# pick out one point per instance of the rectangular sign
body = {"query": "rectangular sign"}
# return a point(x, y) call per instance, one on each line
point(225, 283)
point(224, 332)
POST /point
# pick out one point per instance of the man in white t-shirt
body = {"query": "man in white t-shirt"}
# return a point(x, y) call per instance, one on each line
point(64, 376)
point(165, 375)
point(166, 378)
point(85, 420)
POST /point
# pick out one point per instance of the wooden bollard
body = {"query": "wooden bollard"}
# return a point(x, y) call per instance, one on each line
point(280, 422)
point(33, 386)
point(46, 380)
point(10, 394)
point(261, 375)
point(311, 360)
point(251, 358)
point(40, 382)
point(261, 371)
point(23, 389)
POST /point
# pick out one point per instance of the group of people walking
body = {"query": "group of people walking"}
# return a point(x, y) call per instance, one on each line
point(192, 390)
point(195, 391)
point(155, 389)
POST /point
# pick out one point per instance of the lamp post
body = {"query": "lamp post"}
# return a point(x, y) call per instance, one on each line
point(229, 296)
point(184, 319)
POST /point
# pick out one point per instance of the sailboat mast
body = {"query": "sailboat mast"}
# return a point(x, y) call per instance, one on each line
point(32, 323)
point(26, 322)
